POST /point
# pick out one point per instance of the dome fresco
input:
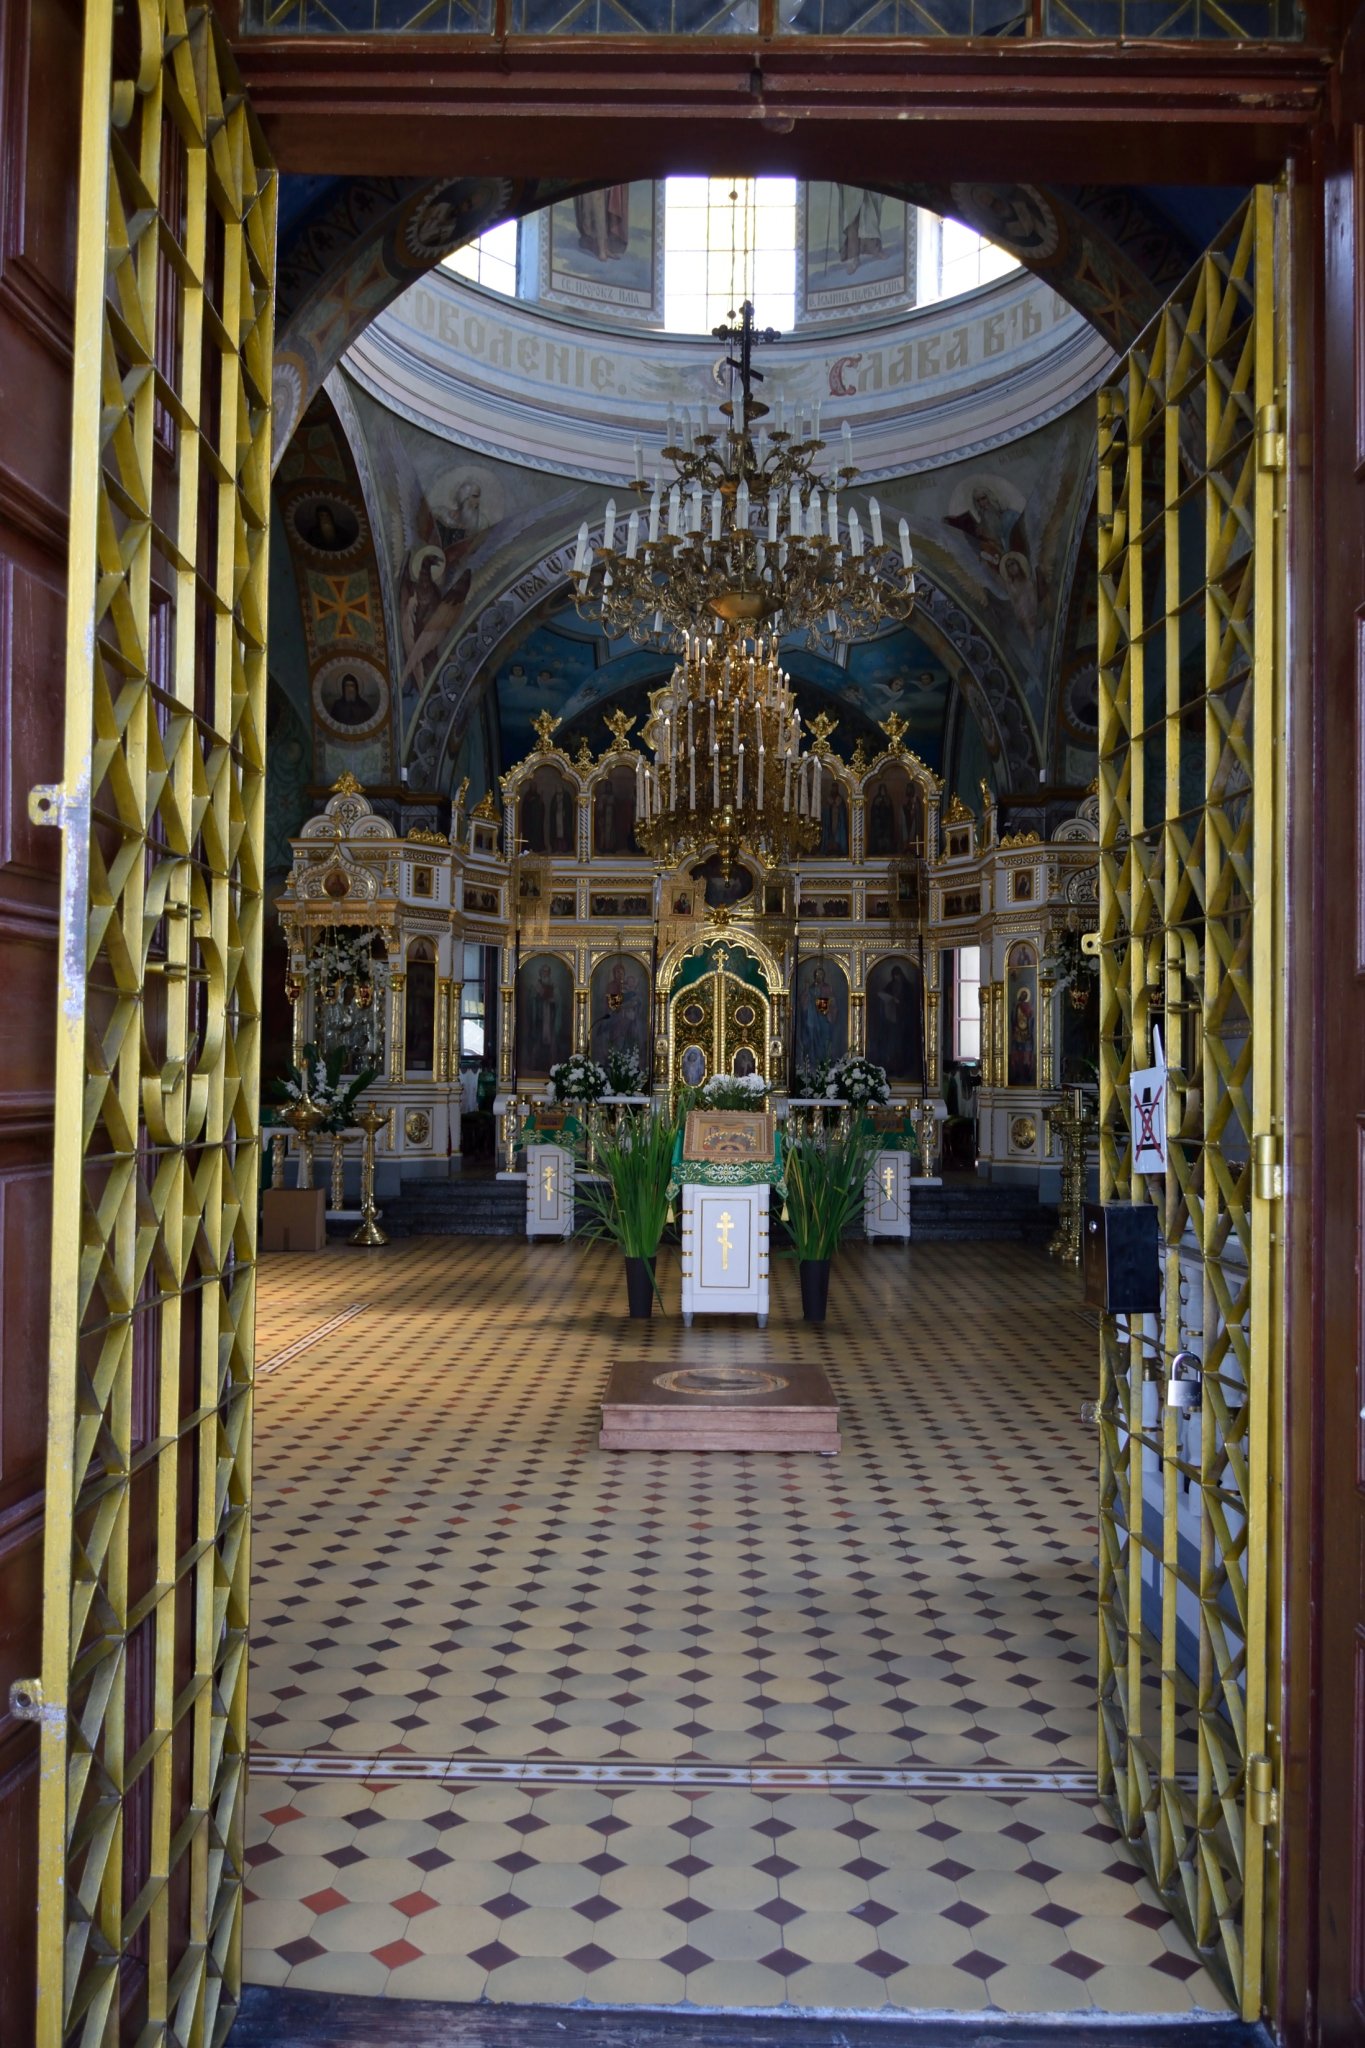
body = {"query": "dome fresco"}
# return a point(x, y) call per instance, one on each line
point(468, 433)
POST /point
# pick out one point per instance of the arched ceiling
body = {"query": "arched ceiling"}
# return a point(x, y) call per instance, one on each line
point(349, 246)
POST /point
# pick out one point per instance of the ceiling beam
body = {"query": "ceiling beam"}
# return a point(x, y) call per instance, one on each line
point(593, 108)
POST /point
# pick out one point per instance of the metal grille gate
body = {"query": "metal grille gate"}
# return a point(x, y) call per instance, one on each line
point(1191, 831)
point(143, 1688)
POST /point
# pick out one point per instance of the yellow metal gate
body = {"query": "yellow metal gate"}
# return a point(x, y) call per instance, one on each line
point(1191, 870)
point(143, 1689)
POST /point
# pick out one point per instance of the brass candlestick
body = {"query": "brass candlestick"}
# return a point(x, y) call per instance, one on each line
point(926, 1128)
point(1075, 1124)
point(511, 1131)
point(371, 1121)
point(305, 1116)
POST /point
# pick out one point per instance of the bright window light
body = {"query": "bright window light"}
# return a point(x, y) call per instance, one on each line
point(491, 260)
point(731, 239)
point(966, 260)
point(967, 1004)
point(727, 240)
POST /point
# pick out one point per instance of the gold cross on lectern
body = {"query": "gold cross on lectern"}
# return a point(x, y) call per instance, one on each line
point(547, 1176)
point(725, 1231)
point(889, 1181)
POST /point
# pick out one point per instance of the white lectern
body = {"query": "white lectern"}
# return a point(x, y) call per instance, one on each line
point(549, 1191)
point(886, 1196)
point(725, 1251)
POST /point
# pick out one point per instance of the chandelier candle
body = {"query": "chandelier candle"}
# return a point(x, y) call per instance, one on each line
point(751, 535)
point(748, 706)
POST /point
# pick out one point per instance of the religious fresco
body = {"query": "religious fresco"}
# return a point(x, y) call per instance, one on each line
point(603, 251)
point(1021, 1016)
point(466, 537)
point(548, 813)
point(455, 528)
point(613, 813)
point(544, 1014)
point(834, 825)
point(821, 1012)
point(855, 253)
point(895, 1018)
point(619, 1008)
point(339, 600)
point(893, 814)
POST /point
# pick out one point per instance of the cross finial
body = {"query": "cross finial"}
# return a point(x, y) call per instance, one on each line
point(746, 334)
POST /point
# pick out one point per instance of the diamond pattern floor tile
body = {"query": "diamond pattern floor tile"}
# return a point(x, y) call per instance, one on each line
point(459, 1598)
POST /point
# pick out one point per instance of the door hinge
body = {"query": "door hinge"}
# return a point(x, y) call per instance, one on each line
point(1270, 450)
point(1263, 1800)
point(1269, 1171)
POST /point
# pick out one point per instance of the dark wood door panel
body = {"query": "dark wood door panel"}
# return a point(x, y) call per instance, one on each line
point(32, 635)
point(40, 81)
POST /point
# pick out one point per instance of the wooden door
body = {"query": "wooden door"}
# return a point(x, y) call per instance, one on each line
point(1191, 860)
point(159, 818)
point(1335, 1589)
point(40, 62)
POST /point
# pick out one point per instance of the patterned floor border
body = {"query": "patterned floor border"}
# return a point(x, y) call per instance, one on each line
point(309, 1339)
point(751, 1777)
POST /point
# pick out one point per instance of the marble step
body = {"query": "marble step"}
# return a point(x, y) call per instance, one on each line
point(488, 1208)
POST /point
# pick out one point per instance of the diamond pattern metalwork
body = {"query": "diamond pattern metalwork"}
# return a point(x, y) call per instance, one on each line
point(146, 1567)
point(1191, 833)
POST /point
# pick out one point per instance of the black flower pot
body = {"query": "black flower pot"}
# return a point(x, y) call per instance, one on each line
point(814, 1289)
point(640, 1286)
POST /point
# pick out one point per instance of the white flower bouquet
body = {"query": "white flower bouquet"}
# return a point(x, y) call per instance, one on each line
point(625, 1073)
point(857, 1080)
point(734, 1091)
point(577, 1079)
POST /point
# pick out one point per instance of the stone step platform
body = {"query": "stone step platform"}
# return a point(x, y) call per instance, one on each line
point(477, 1205)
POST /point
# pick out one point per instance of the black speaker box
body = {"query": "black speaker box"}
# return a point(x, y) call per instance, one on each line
point(1121, 1257)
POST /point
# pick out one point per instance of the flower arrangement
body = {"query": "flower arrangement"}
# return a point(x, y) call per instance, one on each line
point(577, 1079)
point(319, 1077)
point(625, 1072)
point(810, 1081)
point(857, 1080)
point(734, 1091)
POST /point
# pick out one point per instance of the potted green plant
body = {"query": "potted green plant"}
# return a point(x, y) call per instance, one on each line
point(627, 1204)
point(825, 1176)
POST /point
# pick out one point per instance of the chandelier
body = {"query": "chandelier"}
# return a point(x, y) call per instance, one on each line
point(728, 770)
point(746, 529)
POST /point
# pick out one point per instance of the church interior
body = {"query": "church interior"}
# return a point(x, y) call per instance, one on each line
point(535, 1719)
point(680, 1175)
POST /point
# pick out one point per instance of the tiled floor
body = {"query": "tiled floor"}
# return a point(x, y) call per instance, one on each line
point(536, 1722)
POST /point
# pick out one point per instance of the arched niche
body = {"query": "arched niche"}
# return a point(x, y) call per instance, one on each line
point(544, 1019)
point(895, 1017)
point(419, 1007)
point(819, 1012)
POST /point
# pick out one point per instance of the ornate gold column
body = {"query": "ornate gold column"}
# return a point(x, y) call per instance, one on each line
point(507, 1014)
point(931, 1045)
point(443, 1032)
point(580, 1019)
point(1046, 989)
point(857, 1021)
point(398, 1026)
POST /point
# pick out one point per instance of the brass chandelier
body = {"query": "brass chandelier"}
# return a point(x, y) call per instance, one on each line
point(747, 530)
point(728, 768)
